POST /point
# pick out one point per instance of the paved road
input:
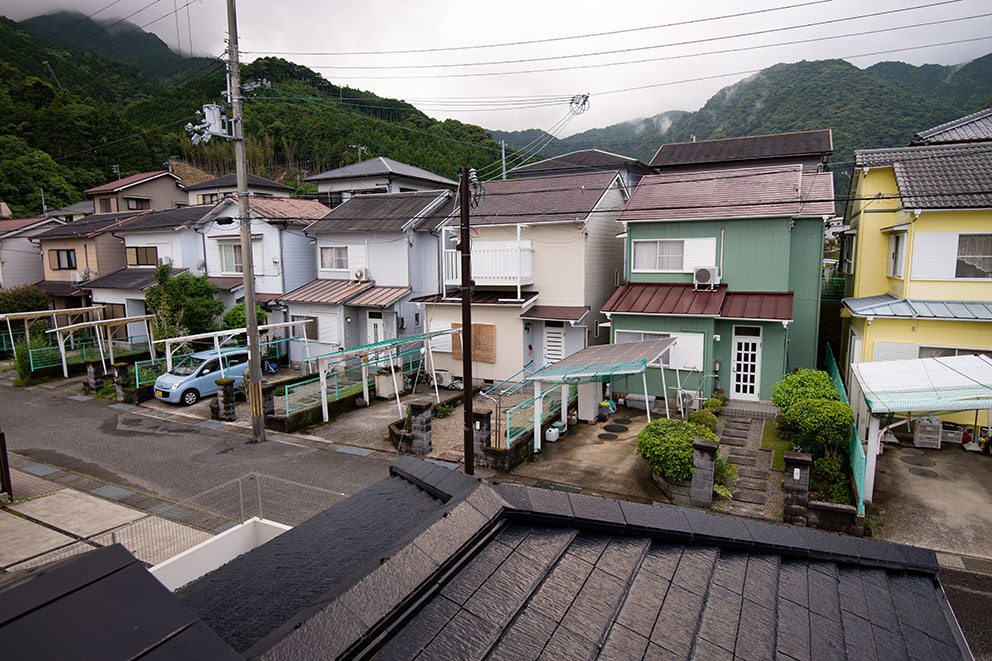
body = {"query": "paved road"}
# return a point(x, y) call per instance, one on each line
point(176, 458)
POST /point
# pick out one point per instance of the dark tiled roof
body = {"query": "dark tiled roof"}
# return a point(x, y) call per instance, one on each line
point(91, 225)
point(168, 219)
point(582, 159)
point(100, 604)
point(136, 278)
point(231, 181)
point(971, 128)
point(327, 291)
point(380, 165)
point(141, 177)
point(684, 300)
point(226, 284)
point(802, 143)
point(58, 288)
point(783, 190)
point(506, 571)
point(479, 298)
point(939, 176)
point(86, 206)
point(556, 312)
point(387, 212)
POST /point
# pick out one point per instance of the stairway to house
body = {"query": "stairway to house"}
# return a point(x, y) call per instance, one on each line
point(752, 479)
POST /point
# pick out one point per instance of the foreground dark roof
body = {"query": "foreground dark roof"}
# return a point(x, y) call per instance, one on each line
point(91, 225)
point(329, 291)
point(380, 165)
point(99, 605)
point(975, 127)
point(231, 181)
point(684, 300)
point(385, 212)
point(133, 278)
point(777, 145)
point(434, 562)
point(168, 219)
point(584, 159)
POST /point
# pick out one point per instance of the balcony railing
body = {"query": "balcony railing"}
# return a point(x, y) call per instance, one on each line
point(492, 266)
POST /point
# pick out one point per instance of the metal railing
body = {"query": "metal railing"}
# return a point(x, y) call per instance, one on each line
point(520, 418)
point(146, 371)
point(81, 351)
point(855, 449)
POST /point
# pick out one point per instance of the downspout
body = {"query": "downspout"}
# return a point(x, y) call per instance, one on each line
point(722, 230)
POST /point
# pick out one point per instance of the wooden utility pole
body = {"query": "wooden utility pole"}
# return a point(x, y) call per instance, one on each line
point(466, 254)
point(244, 217)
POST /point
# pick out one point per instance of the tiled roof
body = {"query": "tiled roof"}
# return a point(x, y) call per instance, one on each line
point(296, 212)
point(379, 297)
point(231, 181)
point(556, 312)
point(385, 212)
point(971, 128)
point(86, 206)
point(8, 226)
point(133, 278)
point(330, 292)
point(684, 300)
point(557, 198)
point(886, 305)
point(380, 165)
point(91, 225)
point(939, 176)
point(141, 177)
point(58, 288)
point(801, 143)
point(435, 563)
point(585, 158)
point(479, 298)
point(783, 190)
point(168, 219)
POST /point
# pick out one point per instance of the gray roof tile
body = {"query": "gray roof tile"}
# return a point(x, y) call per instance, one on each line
point(380, 165)
point(721, 618)
point(756, 634)
point(622, 643)
point(678, 621)
point(793, 631)
point(643, 603)
point(826, 636)
point(761, 579)
point(970, 128)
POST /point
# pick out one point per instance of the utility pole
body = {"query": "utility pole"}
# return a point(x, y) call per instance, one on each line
point(244, 217)
point(466, 254)
point(360, 149)
point(502, 148)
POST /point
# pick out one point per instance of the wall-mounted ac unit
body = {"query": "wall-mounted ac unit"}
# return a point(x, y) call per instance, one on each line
point(706, 277)
point(358, 275)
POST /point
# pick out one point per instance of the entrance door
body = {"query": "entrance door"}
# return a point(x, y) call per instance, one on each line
point(745, 368)
point(376, 327)
point(554, 341)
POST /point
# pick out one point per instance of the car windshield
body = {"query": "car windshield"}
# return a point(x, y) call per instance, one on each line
point(187, 366)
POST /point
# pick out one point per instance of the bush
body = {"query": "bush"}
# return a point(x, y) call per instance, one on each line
point(802, 385)
point(724, 474)
point(443, 410)
point(829, 482)
point(22, 348)
point(26, 298)
point(818, 426)
point(666, 447)
point(705, 418)
point(713, 404)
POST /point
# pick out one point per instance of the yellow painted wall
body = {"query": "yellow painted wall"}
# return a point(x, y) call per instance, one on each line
point(870, 216)
point(509, 339)
point(967, 221)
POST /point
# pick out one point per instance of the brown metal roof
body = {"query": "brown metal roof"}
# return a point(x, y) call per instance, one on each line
point(330, 292)
point(296, 212)
point(129, 181)
point(801, 143)
point(684, 300)
point(379, 297)
point(478, 298)
point(556, 312)
point(225, 284)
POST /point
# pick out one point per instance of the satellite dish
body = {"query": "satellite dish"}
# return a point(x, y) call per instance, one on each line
point(87, 272)
point(200, 265)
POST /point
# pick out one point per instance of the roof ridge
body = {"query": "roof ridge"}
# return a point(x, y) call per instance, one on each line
point(954, 123)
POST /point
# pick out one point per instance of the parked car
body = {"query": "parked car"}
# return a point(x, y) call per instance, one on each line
point(194, 376)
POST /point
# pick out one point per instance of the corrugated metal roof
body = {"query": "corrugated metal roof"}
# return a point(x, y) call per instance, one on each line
point(758, 305)
point(926, 385)
point(970, 128)
point(10, 226)
point(386, 212)
point(583, 158)
point(378, 297)
point(479, 298)
point(381, 165)
point(801, 143)
point(684, 300)
point(603, 361)
point(130, 181)
point(330, 292)
point(783, 190)
point(296, 212)
point(886, 305)
point(556, 312)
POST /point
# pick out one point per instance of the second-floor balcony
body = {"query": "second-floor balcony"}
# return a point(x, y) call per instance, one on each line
point(504, 264)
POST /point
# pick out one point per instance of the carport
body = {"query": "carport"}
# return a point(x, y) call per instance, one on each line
point(925, 385)
point(63, 333)
point(27, 317)
point(593, 366)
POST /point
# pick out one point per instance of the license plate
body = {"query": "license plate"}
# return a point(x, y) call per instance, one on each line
point(160, 393)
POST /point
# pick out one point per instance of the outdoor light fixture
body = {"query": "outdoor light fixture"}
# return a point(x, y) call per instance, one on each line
point(224, 220)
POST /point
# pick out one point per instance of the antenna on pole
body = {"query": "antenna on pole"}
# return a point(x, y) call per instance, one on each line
point(360, 149)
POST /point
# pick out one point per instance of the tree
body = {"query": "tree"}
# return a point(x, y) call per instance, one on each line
point(235, 317)
point(183, 304)
point(27, 298)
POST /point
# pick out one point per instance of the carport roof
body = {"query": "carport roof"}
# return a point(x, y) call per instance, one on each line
point(604, 361)
point(927, 385)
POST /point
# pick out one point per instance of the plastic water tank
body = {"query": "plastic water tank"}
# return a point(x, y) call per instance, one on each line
point(551, 435)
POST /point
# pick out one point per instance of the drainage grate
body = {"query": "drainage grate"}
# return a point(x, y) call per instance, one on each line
point(917, 461)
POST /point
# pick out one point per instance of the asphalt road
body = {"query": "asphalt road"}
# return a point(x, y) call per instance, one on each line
point(176, 459)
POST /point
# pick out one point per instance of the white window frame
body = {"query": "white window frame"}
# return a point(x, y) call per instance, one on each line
point(237, 259)
point(958, 351)
point(957, 255)
point(895, 261)
point(335, 259)
point(849, 244)
point(663, 361)
point(657, 242)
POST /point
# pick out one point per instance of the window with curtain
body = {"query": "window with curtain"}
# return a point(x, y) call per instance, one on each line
point(622, 337)
point(230, 258)
point(659, 255)
point(334, 257)
point(974, 256)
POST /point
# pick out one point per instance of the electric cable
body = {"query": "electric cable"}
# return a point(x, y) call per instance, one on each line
point(83, 19)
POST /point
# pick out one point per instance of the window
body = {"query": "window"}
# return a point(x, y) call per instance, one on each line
point(658, 255)
point(847, 253)
point(897, 254)
point(62, 259)
point(262, 195)
point(137, 204)
point(207, 198)
point(623, 337)
point(335, 198)
point(309, 331)
point(335, 257)
point(974, 259)
point(142, 256)
point(105, 205)
point(687, 353)
point(230, 258)
point(941, 352)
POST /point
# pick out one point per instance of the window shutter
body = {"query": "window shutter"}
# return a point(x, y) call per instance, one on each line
point(327, 327)
point(688, 351)
point(699, 253)
point(894, 351)
point(934, 255)
point(440, 343)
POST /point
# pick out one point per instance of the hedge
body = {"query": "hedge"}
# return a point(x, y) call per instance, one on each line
point(818, 426)
point(802, 385)
point(704, 417)
point(666, 447)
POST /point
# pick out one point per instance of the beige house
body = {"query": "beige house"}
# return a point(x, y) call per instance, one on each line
point(145, 191)
point(214, 190)
point(545, 258)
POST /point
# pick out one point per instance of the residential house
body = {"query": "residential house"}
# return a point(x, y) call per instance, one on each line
point(373, 252)
point(728, 262)
point(214, 190)
point(72, 212)
point(587, 160)
point(375, 175)
point(20, 259)
point(545, 257)
point(808, 148)
point(140, 192)
point(79, 251)
point(918, 256)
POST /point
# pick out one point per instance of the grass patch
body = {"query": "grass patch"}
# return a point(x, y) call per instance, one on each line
point(34, 381)
point(771, 441)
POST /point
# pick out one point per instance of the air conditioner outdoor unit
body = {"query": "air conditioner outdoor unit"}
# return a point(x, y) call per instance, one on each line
point(443, 378)
point(358, 275)
point(706, 277)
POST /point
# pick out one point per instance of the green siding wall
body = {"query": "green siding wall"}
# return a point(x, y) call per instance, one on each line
point(805, 268)
point(773, 338)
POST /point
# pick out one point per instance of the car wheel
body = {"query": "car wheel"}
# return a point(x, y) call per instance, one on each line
point(189, 397)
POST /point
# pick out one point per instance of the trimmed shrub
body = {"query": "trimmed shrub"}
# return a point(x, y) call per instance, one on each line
point(818, 426)
point(666, 447)
point(713, 404)
point(802, 385)
point(704, 417)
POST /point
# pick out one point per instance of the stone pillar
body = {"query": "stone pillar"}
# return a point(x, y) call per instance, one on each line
point(482, 424)
point(795, 488)
point(703, 467)
point(268, 398)
point(225, 400)
point(420, 428)
point(95, 376)
point(120, 376)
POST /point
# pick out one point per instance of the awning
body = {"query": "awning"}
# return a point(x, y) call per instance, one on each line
point(603, 362)
point(378, 297)
point(573, 313)
point(927, 385)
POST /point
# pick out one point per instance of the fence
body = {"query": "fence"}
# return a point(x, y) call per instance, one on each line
point(520, 418)
point(266, 497)
point(81, 351)
point(856, 449)
point(346, 382)
point(145, 372)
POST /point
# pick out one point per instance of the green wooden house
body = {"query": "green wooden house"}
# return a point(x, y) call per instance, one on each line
point(727, 261)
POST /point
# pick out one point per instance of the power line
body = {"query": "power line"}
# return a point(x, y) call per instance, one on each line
point(83, 19)
point(107, 28)
point(141, 27)
point(127, 137)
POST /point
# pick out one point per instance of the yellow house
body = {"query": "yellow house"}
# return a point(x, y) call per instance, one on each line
point(918, 254)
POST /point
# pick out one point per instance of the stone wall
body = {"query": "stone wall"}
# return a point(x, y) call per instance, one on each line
point(801, 511)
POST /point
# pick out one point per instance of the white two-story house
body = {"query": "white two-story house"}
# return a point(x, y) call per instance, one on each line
point(375, 175)
point(373, 253)
point(545, 258)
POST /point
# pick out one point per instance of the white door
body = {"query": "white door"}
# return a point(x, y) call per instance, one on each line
point(554, 343)
point(376, 327)
point(745, 364)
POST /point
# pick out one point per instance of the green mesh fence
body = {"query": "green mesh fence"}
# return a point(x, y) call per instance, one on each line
point(82, 350)
point(856, 450)
point(520, 418)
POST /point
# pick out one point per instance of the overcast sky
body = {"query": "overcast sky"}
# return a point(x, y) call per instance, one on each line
point(292, 27)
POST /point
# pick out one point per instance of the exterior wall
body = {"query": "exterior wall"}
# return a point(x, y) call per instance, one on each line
point(194, 196)
point(109, 254)
point(511, 354)
point(265, 247)
point(809, 163)
point(603, 261)
point(174, 245)
point(943, 226)
point(806, 249)
point(391, 183)
point(296, 261)
point(870, 215)
point(133, 301)
point(20, 262)
point(102, 254)
point(383, 255)
point(162, 193)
